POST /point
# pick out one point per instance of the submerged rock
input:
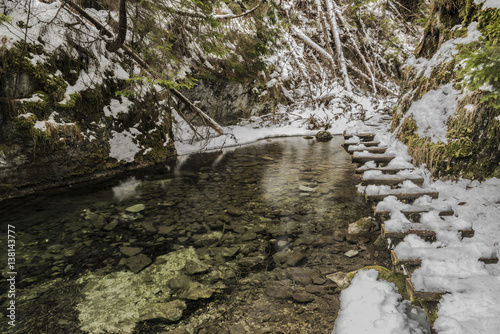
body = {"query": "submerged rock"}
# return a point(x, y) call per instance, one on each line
point(351, 253)
point(303, 297)
point(138, 262)
point(136, 208)
point(130, 251)
point(171, 311)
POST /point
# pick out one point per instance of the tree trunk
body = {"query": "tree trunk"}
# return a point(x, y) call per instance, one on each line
point(335, 29)
point(122, 28)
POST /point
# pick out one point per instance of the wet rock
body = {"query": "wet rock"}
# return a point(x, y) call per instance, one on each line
point(281, 244)
point(111, 226)
point(195, 267)
point(362, 225)
point(55, 249)
point(97, 220)
point(197, 291)
point(165, 229)
point(226, 252)
point(323, 136)
point(250, 261)
point(148, 226)
point(303, 297)
point(180, 282)
point(339, 278)
point(279, 291)
point(171, 311)
point(130, 251)
point(351, 253)
point(237, 329)
point(249, 236)
point(302, 276)
point(207, 239)
point(295, 258)
point(233, 211)
point(136, 208)
point(307, 189)
point(280, 258)
point(339, 236)
point(138, 262)
point(315, 289)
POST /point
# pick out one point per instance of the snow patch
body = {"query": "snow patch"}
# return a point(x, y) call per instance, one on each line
point(488, 3)
point(122, 146)
point(375, 307)
point(432, 112)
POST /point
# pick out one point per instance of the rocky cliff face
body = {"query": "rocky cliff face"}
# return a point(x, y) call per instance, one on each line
point(229, 101)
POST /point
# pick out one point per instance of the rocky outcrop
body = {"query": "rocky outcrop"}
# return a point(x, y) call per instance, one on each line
point(227, 102)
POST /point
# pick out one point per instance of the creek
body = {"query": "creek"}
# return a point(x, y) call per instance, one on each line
point(234, 241)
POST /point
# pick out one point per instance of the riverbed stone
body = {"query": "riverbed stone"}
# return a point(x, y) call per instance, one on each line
point(362, 225)
point(307, 189)
point(279, 291)
point(171, 311)
point(195, 267)
point(300, 275)
point(226, 252)
point(165, 229)
point(136, 208)
point(138, 262)
point(130, 251)
point(351, 253)
point(111, 226)
point(303, 297)
point(295, 258)
point(207, 239)
point(197, 291)
point(180, 282)
point(339, 278)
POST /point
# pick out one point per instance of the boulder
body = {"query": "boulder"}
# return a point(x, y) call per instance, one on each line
point(323, 136)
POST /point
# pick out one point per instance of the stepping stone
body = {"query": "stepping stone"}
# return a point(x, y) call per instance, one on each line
point(422, 231)
point(417, 262)
point(403, 194)
point(364, 136)
point(391, 180)
point(414, 212)
point(346, 144)
point(384, 170)
point(426, 296)
point(351, 150)
point(360, 157)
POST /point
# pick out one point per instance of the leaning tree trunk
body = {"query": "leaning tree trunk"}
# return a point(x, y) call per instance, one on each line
point(122, 28)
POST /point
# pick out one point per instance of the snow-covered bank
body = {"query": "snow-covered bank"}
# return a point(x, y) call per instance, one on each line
point(298, 120)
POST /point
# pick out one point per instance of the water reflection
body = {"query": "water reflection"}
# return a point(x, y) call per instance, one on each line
point(126, 189)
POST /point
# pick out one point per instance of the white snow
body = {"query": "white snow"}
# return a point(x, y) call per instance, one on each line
point(488, 3)
point(122, 146)
point(432, 112)
point(375, 307)
point(445, 53)
point(116, 107)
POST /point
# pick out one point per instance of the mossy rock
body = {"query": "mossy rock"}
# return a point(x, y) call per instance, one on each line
point(324, 136)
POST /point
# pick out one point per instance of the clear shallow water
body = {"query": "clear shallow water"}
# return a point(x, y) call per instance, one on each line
point(264, 224)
